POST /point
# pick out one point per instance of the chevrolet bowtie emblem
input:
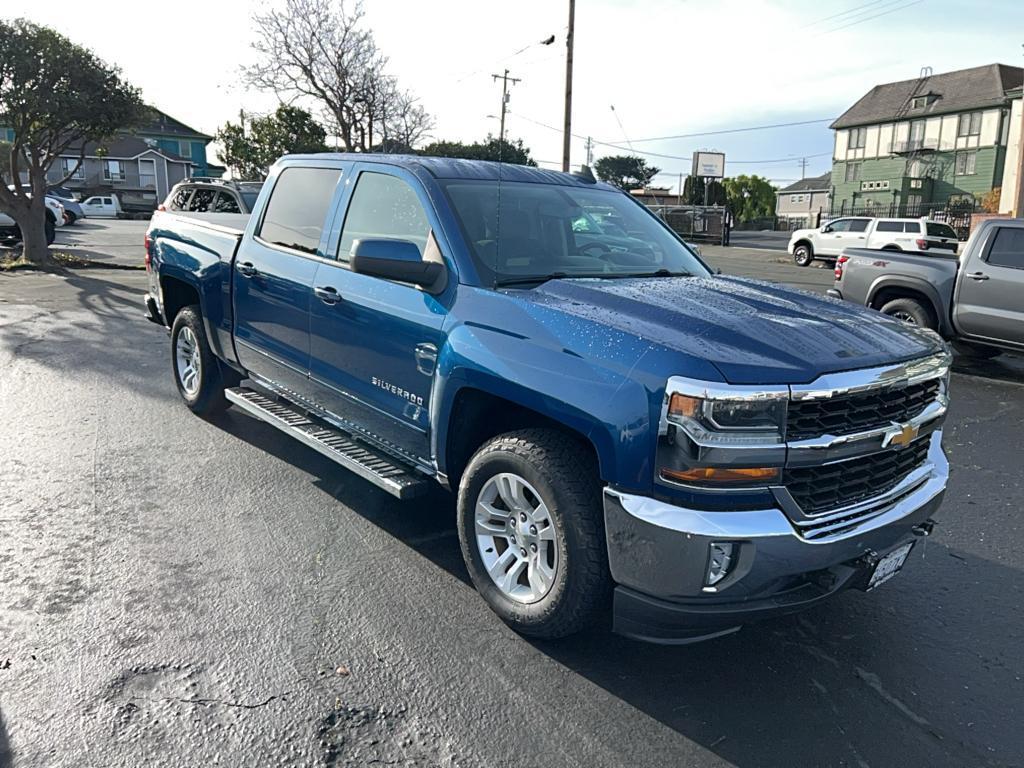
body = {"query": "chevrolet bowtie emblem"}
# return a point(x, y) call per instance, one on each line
point(901, 435)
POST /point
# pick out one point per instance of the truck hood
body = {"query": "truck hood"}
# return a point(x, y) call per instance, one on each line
point(753, 332)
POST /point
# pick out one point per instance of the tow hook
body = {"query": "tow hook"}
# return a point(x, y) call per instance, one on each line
point(924, 529)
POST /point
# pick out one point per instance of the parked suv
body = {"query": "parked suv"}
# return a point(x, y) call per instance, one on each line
point(212, 196)
point(829, 240)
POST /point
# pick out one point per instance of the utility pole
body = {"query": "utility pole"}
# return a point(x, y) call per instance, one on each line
point(567, 128)
point(803, 167)
point(505, 80)
point(590, 151)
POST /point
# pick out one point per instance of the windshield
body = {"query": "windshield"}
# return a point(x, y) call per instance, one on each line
point(941, 230)
point(546, 230)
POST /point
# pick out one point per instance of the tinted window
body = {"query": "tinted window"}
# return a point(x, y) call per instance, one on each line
point(298, 206)
point(890, 226)
point(940, 230)
point(179, 200)
point(1007, 248)
point(859, 225)
point(912, 227)
point(383, 207)
point(202, 201)
point(225, 203)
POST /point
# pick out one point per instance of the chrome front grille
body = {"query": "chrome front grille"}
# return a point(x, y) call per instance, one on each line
point(859, 412)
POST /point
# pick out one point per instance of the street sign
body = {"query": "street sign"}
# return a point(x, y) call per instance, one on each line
point(710, 165)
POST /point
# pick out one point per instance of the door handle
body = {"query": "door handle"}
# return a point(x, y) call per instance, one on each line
point(246, 269)
point(979, 276)
point(327, 294)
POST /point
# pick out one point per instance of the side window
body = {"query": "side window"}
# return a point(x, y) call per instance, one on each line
point(297, 208)
point(842, 225)
point(1007, 248)
point(859, 225)
point(179, 201)
point(912, 227)
point(383, 206)
point(202, 201)
point(890, 226)
point(225, 203)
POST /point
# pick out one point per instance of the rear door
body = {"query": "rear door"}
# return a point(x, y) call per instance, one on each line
point(273, 277)
point(374, 342)
point(990, 296)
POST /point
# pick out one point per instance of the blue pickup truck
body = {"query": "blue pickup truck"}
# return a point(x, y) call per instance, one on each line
point(624, 428)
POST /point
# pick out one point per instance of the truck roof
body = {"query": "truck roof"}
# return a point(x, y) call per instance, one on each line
point(452, 168)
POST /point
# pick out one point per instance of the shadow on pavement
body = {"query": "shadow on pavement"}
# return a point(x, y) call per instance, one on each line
point(888, 678)
point(6, 755)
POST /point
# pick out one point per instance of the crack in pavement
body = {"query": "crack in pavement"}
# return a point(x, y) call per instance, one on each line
point(212, 702)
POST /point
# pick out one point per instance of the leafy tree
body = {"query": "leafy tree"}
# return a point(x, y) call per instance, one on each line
point(318, 51)
point(501, 150)
point(750, 197)
point(249, 153)
point(697, 188)
point(990, 200)
point(626, 171)
point(56, 96)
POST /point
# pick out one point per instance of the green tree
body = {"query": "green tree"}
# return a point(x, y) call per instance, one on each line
point(249, 151)
point(57, 97)
point(626, 171)
point(750, 197)
point(697, 188)
point(492, 149)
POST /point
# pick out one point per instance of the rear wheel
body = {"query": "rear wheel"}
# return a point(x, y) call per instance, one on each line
point(197, 372)
point(530, 525)
point(803, 255)
point(910, 311)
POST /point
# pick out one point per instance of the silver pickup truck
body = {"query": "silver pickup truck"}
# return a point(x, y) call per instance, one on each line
point(976, 301)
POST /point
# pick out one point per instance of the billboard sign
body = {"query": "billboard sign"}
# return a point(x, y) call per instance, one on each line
point(710, 165)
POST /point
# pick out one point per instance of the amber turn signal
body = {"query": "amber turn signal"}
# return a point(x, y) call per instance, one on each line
point(723, 476)
point(683, 405)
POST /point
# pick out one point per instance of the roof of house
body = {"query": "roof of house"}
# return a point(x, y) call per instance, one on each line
point(814, 184)
point(161, 122)
point(124, 147)
point(958, 91)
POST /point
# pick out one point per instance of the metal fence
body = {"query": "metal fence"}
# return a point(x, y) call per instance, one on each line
point(698, 223)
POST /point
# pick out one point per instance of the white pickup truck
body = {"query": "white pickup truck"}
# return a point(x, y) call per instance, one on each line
point(828, 241)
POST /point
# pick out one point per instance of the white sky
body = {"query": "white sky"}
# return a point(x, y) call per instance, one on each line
point(668, 66)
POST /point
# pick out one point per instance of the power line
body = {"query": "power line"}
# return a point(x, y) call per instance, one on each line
point(738, 130)
point(855, 11)
point(869, 18)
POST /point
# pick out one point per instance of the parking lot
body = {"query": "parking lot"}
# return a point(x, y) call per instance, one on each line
point(181, 592)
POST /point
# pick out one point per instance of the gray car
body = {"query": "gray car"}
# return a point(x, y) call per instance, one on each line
point(974, 300)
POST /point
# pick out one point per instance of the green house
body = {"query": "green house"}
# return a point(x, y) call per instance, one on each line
point(936, 140)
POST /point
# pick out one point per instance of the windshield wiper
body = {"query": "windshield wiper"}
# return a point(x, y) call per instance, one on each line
point(656, 273)
point(531, 279)
point(599, 275)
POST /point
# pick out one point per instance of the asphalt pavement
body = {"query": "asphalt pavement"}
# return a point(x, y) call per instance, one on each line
point(178, 592)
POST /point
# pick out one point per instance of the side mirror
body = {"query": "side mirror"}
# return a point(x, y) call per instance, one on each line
point(397, 260)
point(826, 229)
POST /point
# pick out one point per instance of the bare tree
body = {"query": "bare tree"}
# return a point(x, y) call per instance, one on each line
point(318, 52)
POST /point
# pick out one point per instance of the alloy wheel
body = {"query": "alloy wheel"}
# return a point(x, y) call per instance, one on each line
point(189, 361)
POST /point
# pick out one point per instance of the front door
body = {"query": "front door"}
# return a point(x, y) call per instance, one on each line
point(374, 342)
point(273, 277)
point(990, 299)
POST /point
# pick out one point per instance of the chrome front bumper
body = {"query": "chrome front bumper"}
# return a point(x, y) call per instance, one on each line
point(658, 553)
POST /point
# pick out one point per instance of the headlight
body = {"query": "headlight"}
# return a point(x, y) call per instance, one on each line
point(729, 422)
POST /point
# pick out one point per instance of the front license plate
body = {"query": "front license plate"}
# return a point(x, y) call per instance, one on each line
point(890, 565)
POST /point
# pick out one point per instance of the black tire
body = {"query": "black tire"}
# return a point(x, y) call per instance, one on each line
point(208, 399)
point(803, 255)
point(976, 351)
point(564, 473)
point(71, 218)
point(910, 311)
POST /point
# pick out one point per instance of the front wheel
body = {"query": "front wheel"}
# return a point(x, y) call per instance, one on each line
point(530, 526)
point(803, 255)
point(197, 372)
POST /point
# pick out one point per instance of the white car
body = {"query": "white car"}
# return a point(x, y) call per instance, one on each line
point(829, 240)
point(102, 206)
point(11, 233)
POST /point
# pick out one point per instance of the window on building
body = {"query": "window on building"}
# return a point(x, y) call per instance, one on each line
point(853, 171)
point(298, 206)
point(70, 166)
point(920, 102)
point(113, 170)
point(966, 163)
point(185, 149)
point(1007, 248)
point(858, 138)
point(383, 207)
point(969, 125)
